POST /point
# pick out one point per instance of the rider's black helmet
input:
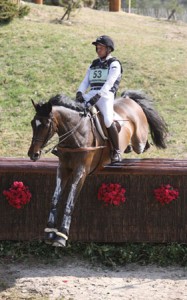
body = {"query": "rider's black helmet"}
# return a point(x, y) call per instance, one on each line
point(104, 40)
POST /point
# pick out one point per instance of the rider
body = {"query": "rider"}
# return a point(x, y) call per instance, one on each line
point(103, 77)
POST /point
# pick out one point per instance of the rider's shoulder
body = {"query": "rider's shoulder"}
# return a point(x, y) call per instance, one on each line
point(94, 62)
point(113, 60)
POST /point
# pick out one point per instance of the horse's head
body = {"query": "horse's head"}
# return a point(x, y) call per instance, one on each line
point(43, 129)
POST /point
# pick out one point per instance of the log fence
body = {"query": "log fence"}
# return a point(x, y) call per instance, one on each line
point(140, 219)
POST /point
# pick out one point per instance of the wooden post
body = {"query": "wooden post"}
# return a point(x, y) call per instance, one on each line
point(115, 5)
point(129, 6)
point(38, 1)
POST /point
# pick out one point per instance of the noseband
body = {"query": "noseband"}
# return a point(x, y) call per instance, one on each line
point(50, 133)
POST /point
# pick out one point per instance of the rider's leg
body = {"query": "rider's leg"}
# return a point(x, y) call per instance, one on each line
point(114, 138)
point(105, 106)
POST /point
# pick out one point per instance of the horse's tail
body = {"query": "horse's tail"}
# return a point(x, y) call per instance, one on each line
point(157, 125)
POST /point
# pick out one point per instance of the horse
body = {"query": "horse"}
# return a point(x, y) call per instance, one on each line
point(82, 149)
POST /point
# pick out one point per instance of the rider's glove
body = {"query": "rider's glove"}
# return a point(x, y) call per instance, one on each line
point(79, 97)
point(93, 100)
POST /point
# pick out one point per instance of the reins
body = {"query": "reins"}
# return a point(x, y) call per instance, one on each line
point(62, 138)
point(66, 135)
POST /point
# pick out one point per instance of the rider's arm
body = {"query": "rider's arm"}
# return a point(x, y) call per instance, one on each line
point(85, 83)
point(113, 75)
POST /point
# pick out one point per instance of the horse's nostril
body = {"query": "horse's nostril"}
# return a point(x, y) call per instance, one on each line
point(34, 156)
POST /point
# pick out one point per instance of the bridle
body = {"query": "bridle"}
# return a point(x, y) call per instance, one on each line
point(51, 132)
point(53, 129)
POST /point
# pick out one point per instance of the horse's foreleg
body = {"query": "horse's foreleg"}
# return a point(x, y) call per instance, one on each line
point(76, 186)
point(61, 180)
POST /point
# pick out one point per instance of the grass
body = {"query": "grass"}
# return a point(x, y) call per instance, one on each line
point(40, 58)
point(107, 254)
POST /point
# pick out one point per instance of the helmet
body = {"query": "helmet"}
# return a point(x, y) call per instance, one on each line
point(104, 40)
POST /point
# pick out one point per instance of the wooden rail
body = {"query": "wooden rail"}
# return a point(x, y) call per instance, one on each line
point(140, 219)
point(127, 166)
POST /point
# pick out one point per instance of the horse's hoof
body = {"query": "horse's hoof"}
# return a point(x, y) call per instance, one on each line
point(50, 235)
point(147, 146)
point(59, 242)
point(128, 149)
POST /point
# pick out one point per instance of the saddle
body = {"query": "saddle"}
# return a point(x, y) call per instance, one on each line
point(99, 127)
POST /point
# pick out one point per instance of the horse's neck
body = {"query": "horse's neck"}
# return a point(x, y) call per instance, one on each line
point(70, 123)
point(65, 118)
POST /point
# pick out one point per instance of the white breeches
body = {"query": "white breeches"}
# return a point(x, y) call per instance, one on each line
point(105, 106)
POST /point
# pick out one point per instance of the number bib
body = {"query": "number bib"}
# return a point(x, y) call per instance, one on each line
point(98, 76)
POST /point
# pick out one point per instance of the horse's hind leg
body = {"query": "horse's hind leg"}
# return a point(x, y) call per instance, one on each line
point(128, 149)
point(125, 139)
point(140, 141)
point(61, 180)
point(138, 147)
point(147, 146)
point(76, 185)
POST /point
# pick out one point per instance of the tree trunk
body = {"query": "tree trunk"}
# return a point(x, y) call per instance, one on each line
point(172, 14)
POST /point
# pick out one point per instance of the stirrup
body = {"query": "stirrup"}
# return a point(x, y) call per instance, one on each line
point(116, 156)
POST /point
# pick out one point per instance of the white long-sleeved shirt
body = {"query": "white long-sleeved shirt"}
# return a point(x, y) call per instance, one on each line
point(114, 74)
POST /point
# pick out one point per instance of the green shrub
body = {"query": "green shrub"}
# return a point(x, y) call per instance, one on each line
point(9, 10)
point(108, 254)
point(23, 11)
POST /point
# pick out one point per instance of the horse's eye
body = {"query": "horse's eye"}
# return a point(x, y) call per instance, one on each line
point(47, 123)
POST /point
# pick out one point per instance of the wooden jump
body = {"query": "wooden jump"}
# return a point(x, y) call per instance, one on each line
point(140, 219)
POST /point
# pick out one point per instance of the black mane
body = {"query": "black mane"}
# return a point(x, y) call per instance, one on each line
point(63, 100)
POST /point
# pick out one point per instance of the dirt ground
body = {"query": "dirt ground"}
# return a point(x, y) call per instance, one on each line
point(75, 279)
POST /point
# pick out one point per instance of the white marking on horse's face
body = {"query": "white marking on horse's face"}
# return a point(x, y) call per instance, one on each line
point(37, 123)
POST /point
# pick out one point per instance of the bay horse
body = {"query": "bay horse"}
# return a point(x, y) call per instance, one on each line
point(82, 150)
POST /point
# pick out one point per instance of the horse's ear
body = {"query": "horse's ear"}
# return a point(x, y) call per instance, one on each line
point(49, 107)
point(33, 104)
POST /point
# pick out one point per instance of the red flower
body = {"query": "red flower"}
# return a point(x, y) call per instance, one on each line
point(111, 193)
point(18, 194)
point(166, 194)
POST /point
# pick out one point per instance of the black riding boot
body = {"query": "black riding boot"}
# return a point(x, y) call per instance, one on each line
point(114, 138)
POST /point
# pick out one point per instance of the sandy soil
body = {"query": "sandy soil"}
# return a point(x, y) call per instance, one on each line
point(74, 279)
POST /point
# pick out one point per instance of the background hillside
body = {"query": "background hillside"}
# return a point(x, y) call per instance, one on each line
point(40, 58)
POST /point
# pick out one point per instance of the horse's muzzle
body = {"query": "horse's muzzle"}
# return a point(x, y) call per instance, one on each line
point(34, 156)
